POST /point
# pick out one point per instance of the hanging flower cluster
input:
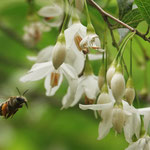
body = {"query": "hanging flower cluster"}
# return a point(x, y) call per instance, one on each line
point(107, 94)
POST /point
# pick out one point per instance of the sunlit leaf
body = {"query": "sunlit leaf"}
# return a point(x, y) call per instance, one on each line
point(144, 8)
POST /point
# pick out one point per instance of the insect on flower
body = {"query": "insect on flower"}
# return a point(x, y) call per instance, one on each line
point(11, 106)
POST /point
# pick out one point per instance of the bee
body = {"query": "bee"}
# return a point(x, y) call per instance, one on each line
point(12, 105)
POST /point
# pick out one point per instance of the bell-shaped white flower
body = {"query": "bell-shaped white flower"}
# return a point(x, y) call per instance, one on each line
point(132, 128)
point(53, 77)
point(33, 32)
point(142, 144)
point(88, 86)
point(75, 57)
point(53, 15)
point(112, 115)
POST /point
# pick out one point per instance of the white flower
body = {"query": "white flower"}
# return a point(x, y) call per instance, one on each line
point(142, 144)
point(118, 86)
point(87, 85)
point(33, 32)
point(133, 128)
point(43, 56)
point(53, 77)
point(75, 57)
point(112, 116)
point(53, 15)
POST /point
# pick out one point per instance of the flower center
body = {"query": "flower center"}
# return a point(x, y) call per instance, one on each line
point(54, 79)
point(88, 100)
point(48, 18)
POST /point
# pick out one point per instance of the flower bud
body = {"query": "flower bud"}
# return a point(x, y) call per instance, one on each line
point(101, 77)
point(118, 86)
point(110, 73)
point(129, 92)
point(103, 98)
point(118, 119)
point(59, 52)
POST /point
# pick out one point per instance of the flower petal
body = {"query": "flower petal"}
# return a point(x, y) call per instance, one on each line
point(97, 106)
point(132, 127)
point(90, 86)
point(45, 54)
point(106, 124)
point(95, 56)
point(68, 71)
point(37, 72)
point(50, 11)
point(50, 91)
point(70, 96)
point(78, 95)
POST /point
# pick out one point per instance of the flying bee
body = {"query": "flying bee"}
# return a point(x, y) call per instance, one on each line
point(12, 105)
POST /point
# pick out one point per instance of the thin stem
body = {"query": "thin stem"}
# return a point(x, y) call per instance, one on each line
point(131, 58)
point(146, 56)
point(114, 43)
point(87, 12)
point(125, 43)
point(66, 16)
point(106, 62)
point(105, 15)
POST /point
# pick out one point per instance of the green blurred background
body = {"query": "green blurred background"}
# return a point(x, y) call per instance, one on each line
point(44, 126)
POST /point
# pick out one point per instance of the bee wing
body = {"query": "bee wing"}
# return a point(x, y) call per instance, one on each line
point(2, 101)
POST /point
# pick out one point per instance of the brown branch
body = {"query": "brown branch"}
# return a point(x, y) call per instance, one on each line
point(9, 32)
point(105, 15)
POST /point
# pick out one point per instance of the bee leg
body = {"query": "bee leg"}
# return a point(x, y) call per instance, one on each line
point(14, 113)
point(8, 115)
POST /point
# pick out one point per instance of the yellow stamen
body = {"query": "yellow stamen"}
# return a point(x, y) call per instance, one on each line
point(89, 101)
point(54, 79)
point(77, 40)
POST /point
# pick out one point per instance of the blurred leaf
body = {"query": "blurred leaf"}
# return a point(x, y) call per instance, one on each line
point(144, 8)
point(124, 7)
point(132, 18)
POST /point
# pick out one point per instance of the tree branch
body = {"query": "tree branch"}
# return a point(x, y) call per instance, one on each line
point(105, 15)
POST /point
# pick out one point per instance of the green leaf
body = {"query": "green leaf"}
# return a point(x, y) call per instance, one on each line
point(133, 18)
point(124, 7)
point(144, 8)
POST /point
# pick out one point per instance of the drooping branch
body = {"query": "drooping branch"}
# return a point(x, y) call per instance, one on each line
point(107, 15)
point(13, 35)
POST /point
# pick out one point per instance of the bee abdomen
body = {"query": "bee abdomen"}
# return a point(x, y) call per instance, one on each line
point(4, 109)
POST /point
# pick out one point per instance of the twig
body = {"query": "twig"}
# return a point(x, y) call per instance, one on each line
point(105, 15)
point(147, 31)
point(114, 43)
point(9, 32)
